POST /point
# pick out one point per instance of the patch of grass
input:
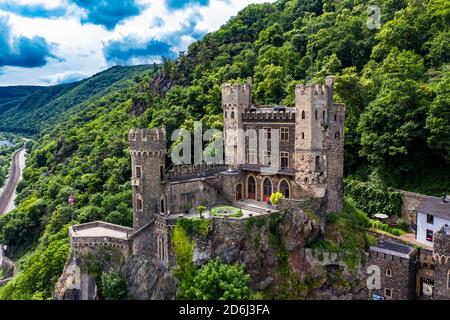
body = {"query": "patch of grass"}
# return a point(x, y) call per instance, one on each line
point(223, 211)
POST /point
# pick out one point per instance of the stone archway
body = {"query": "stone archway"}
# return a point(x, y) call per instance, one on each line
point(251, 188)
point(267, 189)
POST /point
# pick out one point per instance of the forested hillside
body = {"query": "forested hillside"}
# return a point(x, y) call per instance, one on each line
point(395, 82)
point(30, 110)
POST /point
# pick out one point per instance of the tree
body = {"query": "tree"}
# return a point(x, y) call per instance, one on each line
point(216, 281)
point(438, 119)
point(113, 286)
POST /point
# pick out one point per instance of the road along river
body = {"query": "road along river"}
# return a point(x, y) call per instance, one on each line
point(8, 194)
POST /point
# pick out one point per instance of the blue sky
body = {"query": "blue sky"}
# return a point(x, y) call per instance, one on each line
point(47, 42)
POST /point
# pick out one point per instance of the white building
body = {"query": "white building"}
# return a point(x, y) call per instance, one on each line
point(432, 215)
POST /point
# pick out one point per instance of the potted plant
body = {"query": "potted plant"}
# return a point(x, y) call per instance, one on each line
point(201, 210)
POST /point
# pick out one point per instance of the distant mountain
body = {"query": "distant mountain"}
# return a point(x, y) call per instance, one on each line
point(29, 109)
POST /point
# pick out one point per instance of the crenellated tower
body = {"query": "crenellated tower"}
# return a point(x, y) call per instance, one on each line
point(441, 256)
point(319, 142)
point(148, 151)
point(236, 98)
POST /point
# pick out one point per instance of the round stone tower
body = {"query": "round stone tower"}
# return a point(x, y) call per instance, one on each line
point(148, 150)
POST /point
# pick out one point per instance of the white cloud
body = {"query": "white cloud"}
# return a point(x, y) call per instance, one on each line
point(80, 45)
point(63, 77)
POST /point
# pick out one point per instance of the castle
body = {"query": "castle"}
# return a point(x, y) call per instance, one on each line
point(298, 152)
point(311, 143)
point(308, 141)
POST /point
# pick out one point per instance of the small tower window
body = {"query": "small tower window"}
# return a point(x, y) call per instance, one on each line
point(388, 273)
point(226, 115)
point(324, 115)
point(138, 172)
point(388, 293)
point(232, 114)
point(316, 115)
point(305, 180)
point(335, 117)
point(161, 172)
point(303, 135)
point(303, 115)
point(139, 203)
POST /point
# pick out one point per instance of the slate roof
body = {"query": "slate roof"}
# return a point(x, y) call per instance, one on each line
point(435, 207)
point(395, 249)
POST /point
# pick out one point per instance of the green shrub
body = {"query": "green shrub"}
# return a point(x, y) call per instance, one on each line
point(373, 198)
point(216, 281)
point(113, 286)
point(275, 197)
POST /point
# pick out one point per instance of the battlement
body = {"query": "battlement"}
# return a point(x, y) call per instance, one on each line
point(142, 135)
point(285, 115)
point(228, 88)
point(148, 140)
point(316, 89)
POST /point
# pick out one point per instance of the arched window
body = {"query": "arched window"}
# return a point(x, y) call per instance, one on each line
point(335, 117)
point(226, 115)
point(284, 188)
point(232, 114)
point(251, 188)
point(303, 115)
point(267, 188)
point(388, 273)
point(316, 115)
point(305, 180)
point(139, 203)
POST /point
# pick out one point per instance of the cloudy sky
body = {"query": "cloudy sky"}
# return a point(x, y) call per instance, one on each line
point(47, 42)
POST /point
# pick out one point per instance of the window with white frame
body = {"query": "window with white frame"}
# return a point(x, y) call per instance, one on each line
point(284, 134)
point(388, 273)
point(388, 292)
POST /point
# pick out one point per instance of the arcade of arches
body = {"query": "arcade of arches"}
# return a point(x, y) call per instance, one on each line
point(260, 188)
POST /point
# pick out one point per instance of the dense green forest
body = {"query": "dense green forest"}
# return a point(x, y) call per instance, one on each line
point(31, 110)
point(395, 82)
